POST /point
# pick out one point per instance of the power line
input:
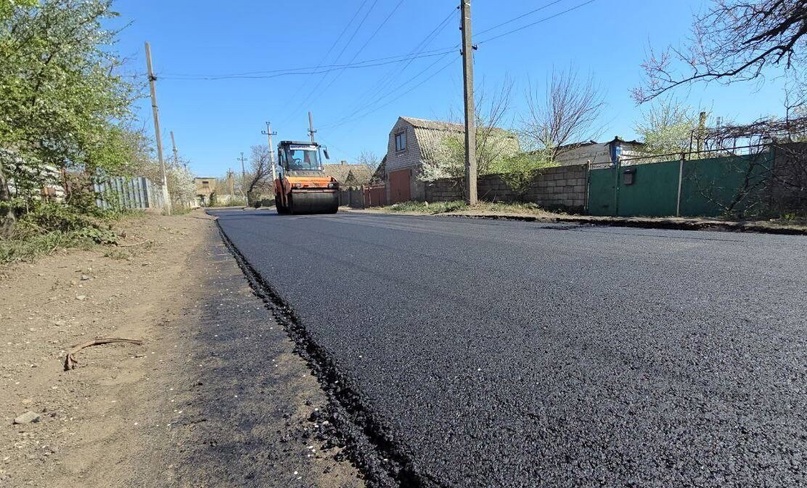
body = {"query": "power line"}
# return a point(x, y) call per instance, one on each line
point(371, 95)
point(341, 34)
point(260, 75)
point(372, 36)
point(370, 109)
point(339, 56)
point(515, 19)
point(536, 22)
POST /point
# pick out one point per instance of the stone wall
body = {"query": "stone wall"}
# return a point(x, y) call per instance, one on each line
point(562, 188)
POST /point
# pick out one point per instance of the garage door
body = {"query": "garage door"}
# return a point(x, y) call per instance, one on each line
point(400, 187)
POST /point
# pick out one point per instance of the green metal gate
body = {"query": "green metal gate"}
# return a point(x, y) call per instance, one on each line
point(701, 187)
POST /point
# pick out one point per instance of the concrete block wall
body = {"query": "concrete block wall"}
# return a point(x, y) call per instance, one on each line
point(561, 188)
point(788, 187)
point(446, 190)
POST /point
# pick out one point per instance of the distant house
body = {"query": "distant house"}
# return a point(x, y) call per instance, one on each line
point(411, 142)
point(598, 154)
point(349, 174)
point(205, 186)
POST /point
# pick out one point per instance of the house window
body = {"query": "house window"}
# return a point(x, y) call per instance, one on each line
point(400, 141)
point(205, 184)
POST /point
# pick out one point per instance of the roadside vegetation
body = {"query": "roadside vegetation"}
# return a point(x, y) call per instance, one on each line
point(47, 227)
point(67, 124)
point(459, 206)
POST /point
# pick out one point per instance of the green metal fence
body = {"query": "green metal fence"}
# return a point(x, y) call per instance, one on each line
point(695, 188)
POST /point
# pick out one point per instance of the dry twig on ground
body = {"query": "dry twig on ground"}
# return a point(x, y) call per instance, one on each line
point(70, 361)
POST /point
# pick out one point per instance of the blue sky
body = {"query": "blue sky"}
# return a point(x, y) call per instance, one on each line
point(198, 47)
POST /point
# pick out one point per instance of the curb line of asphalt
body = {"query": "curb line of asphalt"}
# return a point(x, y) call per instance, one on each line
point(708, 225)
point(366, 440)
point(635, 222)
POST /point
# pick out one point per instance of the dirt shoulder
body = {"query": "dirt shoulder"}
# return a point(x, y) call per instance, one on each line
point(215, 395)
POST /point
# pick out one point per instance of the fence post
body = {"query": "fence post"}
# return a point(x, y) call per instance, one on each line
point(680, 184)
point(588, 187)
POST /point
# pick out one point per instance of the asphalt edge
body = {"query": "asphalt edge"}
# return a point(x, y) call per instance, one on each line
point(633, 222)
point(366, 441)
point(691, 225)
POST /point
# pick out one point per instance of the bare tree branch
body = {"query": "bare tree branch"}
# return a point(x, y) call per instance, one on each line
point(260, 169)
point(735, 40)
point(566, 112)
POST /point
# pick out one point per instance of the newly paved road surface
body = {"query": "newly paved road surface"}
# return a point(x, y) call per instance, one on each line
point(497, 353)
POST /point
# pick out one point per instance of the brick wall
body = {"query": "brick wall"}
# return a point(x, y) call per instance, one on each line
point(561, 188)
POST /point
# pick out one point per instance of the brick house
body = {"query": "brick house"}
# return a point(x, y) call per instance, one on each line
point(204, 188)
point(411, 142)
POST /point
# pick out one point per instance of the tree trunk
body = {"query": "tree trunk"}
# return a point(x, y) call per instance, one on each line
point(7, 216)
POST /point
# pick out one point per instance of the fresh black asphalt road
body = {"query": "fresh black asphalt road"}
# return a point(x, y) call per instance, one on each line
point(500, 353)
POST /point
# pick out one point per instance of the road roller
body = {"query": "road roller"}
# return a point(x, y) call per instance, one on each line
point(302, 187)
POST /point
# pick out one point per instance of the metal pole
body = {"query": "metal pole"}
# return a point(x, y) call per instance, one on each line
point(470, 121)
point(157, 134)
point(311, 130)
point(268, 132)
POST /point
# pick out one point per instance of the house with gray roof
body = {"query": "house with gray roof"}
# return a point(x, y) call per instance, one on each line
point(598, 154)
point(413, 141)
point(349, 175)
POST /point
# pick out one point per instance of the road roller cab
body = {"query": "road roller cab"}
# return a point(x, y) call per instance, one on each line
point(301, 185)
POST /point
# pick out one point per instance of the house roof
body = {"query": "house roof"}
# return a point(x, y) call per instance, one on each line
point(431, 133)
point(433, 125)
point(349, 174)
point(576, 145)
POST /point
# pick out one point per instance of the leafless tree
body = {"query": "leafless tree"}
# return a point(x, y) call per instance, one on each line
point(734, 40)
point(567, 111)
point(446, 156)
point(492, 113)
point(369, 158)
point(261, 168)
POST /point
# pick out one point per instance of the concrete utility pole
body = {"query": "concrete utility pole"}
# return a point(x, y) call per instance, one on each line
point(311, 130)
point(157, 134)
point(268, 132)
point(243, 174)
point(231, 182)
point(470, 118)
point(176, 154)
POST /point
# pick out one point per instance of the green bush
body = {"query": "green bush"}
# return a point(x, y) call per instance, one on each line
point(519, 171)
point(43, 227)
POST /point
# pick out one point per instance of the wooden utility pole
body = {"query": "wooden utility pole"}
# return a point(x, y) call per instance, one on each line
point(268, 132)
point(311, 130)
point(157, 134)
point(470, 111)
